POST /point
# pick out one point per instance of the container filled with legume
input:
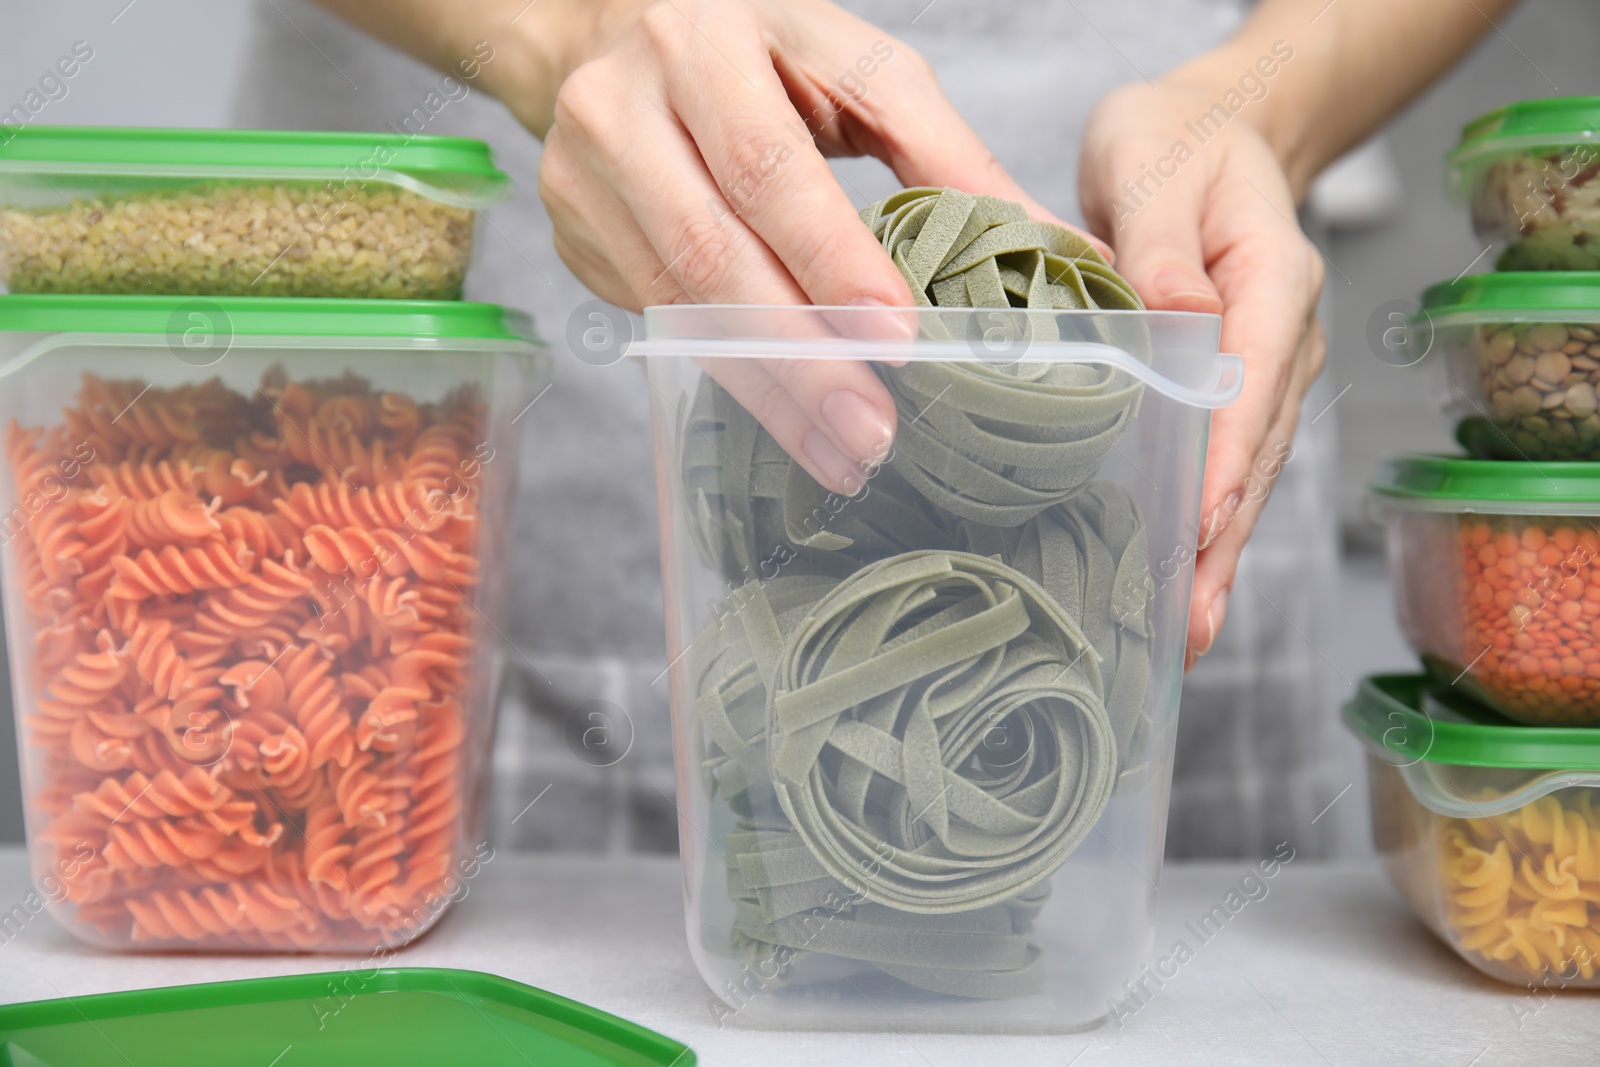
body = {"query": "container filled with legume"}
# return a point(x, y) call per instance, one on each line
point(240, 212)
point(1530, 173)
point(1487, 828)
point(1497, 579)
point(1518, 361)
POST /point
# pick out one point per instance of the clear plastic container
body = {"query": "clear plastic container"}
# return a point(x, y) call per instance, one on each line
point(1528, 172)
point(1497, 579)
point(249, 553)
point(1487, 828)
point(1518, 361)
point(924, 733)
point(240, 212)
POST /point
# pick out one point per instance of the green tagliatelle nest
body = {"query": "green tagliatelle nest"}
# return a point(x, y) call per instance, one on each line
point(943, 705)
point(1000, 442)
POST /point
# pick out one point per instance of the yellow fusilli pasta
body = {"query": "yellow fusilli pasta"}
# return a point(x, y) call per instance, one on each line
point(1519, 887)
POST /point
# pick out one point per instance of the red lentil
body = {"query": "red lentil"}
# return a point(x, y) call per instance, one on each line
point(1529, 605)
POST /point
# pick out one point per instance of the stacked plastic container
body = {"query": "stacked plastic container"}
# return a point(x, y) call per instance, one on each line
point(1485, 772)
point(258, 461)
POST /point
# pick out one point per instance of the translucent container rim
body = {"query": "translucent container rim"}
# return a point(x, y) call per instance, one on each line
point(1479, 150)
point(1489, 147)
point(889, 334)
point(1461, 485)
point(1506, 316)
point(454, 196)
point(1384, 500)
point(270, 342)
point(1387, 715)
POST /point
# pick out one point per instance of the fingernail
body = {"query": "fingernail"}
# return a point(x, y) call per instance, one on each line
point(1214, 617)
point(867, 302)
point(1174, 284)
point(856, 424)
point(839, 472)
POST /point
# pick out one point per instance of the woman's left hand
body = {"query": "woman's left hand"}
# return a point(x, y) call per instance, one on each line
point(1213, 230)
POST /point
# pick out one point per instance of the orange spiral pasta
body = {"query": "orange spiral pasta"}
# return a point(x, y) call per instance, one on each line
point(252, 622)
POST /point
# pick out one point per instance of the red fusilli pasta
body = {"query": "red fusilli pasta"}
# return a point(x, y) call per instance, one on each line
point(253, 625)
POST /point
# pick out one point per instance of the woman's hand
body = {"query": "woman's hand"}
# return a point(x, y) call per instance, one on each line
point(1213, 231)
point(685, 164)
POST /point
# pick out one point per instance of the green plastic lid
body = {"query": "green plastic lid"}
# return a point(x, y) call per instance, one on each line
point(1418, 721)
point(240, 316)
point(454, 169)
point(1515, 296)
point(1551, 122)
point(388, 1016)
point(1493, 486)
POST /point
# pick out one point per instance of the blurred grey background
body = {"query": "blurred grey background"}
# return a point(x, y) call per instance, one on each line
point(1381, 219)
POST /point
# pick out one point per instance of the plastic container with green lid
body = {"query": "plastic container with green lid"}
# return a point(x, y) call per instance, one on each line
point(1497, 579)
point(1489, 829)
point(240, 212)
point(251, 551)
point(1528, 172)
point(1518, 360)
point(399, 1016)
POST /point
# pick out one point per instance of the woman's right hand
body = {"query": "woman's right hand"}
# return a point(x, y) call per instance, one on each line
point(685, 164)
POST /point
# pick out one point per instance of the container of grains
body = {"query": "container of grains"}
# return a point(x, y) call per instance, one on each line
point(1528, 173)
point(1487, 828)
point(1497, 580)
point(925, 720)
point(240, 212)
point(249, 553)
point(1518, 362)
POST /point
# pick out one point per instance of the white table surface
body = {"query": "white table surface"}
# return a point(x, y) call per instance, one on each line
point(1330, 968)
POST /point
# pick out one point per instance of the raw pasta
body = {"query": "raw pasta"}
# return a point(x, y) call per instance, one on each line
point(1000, 442)
point(1519, 887)
point(250, 675)
point(917, 702)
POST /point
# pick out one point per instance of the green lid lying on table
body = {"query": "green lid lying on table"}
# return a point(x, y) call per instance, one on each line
point(390, 1016)
point(451, 169)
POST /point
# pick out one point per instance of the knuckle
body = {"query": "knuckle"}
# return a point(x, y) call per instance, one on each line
point(702, 260)
point(578, 100)
point(557, 178)
point(589, 114)
point(665, 27)
point(910, 62)
point(1316, 270)
point(1317, 354)
point(820, 251)
point(753, 160)
point(765, 400)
